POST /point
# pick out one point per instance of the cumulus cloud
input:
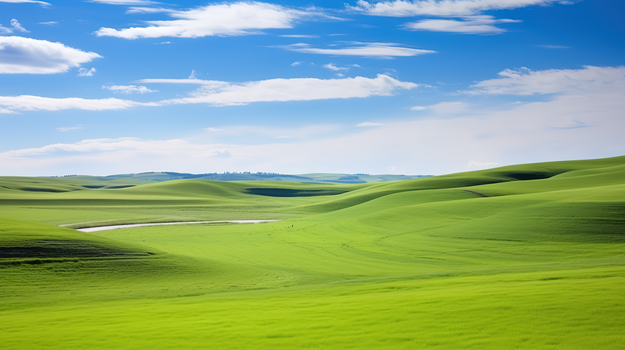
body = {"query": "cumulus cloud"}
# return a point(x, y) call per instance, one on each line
point(302, 89)
point(524, 81)
point(468, 25)
point(374, 50)
point(84, 72)
point(20, 55)
point(240, 18)
point(37, 103)
point(403, 8)
point(128, 89)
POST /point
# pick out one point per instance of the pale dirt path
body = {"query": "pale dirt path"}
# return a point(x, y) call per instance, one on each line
point(114, 227)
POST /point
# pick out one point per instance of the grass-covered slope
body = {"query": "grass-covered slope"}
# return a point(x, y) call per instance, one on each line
point(526, 257)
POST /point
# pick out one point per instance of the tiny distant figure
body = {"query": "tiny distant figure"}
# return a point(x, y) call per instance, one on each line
point(291, 225)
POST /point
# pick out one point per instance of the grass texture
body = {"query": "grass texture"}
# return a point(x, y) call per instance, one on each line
point(522, 257)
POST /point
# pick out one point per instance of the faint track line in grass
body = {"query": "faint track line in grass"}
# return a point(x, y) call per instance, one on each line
point(477, 193)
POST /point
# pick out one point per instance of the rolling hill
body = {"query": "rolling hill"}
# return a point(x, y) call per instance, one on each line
point(528, 257)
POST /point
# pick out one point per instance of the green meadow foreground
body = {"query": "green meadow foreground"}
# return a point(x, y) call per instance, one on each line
point(521, 257)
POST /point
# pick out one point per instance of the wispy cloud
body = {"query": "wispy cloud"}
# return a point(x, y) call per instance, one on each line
point(240, 18)
point(43, 3)
point(373, 50)
point(368, 124)
point(17, 26)
point(70, 128)
point(128, 89)
point(298, 36)
point(302, 89)
point(444, 108)
point(20, 55)
point(38, 103)
point(524, 81)
point(553, 46)
point(468, 25)
point(50, 23)
point(84, 72)
point(192, 81)
point(141, 10)
point(589, 96)
point(331, 66)
point(403, 8)
point(125, 2)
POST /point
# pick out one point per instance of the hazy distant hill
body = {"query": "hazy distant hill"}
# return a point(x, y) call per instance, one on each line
point(248, 176)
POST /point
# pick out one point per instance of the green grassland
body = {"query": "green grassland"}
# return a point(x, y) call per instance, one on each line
point(521, 257)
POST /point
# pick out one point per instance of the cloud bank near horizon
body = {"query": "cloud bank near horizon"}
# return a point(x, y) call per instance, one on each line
point(583, 116)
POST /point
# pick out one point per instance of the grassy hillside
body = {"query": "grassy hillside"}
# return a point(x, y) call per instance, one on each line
point(528, 257)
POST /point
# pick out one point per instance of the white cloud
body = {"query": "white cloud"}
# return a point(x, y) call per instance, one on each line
point(125, 2)
point(70, 128)
point(26, 2)
point(212, 129)
point(469, 25)
point(241, 18)
point(296, 63)
point(193, 74)
point(17, 26)
point(374, 50)
point(298, 36)
point(218, 93)
point(84, 72)
point(302, 89)
point(128, 89)
point(524, 81)
point(583, 120)
point(366, 124)
point(193, 81)
point(38, 103)
point(5, 30)
point(20, 55)
point(444, 108)
point(402, 8)
point(141, 10)
point(554, 46)
point(50, 23)
point(331, 66)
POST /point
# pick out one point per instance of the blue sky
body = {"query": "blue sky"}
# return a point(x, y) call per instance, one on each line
point(411, 87)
